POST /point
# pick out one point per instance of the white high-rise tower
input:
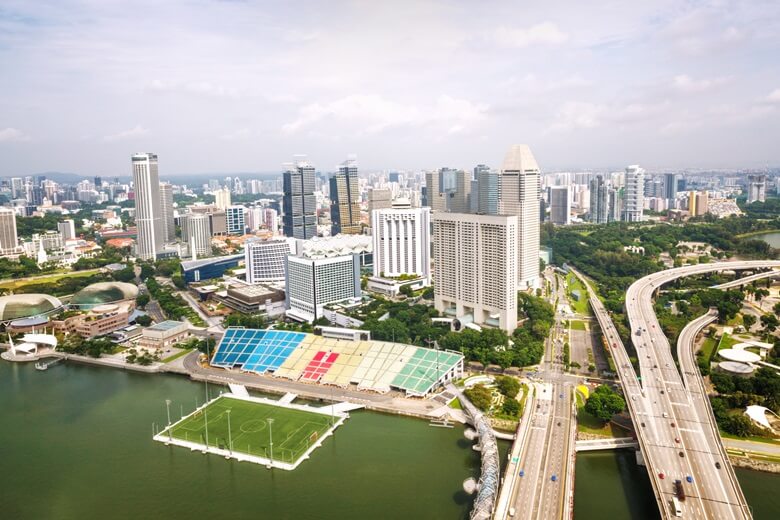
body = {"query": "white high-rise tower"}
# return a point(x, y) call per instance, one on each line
point(634, 194)
point(148, 211)
point(519, 195)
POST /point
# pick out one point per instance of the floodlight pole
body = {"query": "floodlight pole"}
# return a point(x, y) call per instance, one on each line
point(206, 423)
point(230, 437)
point(168, 409)
point(271, 436)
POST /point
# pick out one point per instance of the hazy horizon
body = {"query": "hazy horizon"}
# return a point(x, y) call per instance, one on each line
point(243, 86)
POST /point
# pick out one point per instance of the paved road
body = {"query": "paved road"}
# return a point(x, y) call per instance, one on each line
point(676, 432)
point(547, 453)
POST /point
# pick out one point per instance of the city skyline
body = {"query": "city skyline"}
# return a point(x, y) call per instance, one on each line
point(267, 85)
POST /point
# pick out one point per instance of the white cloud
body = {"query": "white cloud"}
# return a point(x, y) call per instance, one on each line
point(685, 83)
point(239, 135)
point(546, 33)
point(12, 134)
point(774, 96)
point(373, 113)
point(575, 115)
point(132, 133)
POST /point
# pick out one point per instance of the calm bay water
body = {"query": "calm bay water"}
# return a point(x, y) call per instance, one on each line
point(773, 239)
point(75, 443)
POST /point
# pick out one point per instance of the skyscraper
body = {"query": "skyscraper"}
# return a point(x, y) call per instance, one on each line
point(8, 238)
point(519, 196)
point(615, 205)
point(266, 260)
point(402, 242)
point(345, 200)
point(222, 197)
point(379, 199)
point(299, 205)
point(476, 268)
point(670, 188)
point(166, 207)
point(634, 194)
point(313, 283)
point(487, 194)
point(433, 194)
point(148, 213)
point(599, 201)
point(560, 205)
point(756, 191)
point(235, 220)
point(67, 229)
point(196, 232)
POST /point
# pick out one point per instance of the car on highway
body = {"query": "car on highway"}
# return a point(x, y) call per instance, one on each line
point(677, 440)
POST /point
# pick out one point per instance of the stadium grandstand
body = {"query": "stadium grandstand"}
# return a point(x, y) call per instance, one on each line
point(376, 366)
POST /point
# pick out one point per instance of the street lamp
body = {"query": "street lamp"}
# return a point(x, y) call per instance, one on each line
point(271, 436)
point(230, 437)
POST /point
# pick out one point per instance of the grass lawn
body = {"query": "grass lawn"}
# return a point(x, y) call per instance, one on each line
point(752, 438)
point(580, 306)
point(455, 404)
point(707, 348)
point(587, 423)
point(577, 325)
point(726, 341)
point(50, 278)
point(177, 355)
point(293, 430)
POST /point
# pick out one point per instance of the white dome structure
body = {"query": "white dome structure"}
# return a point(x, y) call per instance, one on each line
point(17, 306)
point(741, 356)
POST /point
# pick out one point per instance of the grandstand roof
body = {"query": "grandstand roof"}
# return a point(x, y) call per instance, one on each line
point(743, 356)
point(377, 366)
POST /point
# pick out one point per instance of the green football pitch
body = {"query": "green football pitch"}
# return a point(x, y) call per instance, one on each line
point(293, 430)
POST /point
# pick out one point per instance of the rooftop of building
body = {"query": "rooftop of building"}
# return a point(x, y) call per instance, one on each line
point(194, 264)
point(165, 325)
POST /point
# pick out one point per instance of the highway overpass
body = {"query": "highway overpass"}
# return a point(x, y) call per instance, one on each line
point(675, 428)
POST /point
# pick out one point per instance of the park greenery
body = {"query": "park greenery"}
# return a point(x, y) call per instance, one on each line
point(735, 393)
point(62, 285)
point(173, 305)
point(692, 304)
point(75, 344)
point(480, 396)
point(22, 268)
point(604, 402)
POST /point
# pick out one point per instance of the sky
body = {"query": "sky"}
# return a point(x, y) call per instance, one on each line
point(242, 86)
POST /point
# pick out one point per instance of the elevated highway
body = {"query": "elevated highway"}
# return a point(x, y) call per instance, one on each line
point(675, 427)
point(739, 282)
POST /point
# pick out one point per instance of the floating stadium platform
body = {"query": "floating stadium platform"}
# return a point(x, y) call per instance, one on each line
point(275, 434)
point(375, 366)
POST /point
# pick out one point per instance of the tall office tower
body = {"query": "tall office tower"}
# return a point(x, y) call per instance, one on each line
point(313, 283)
point(392, 177)
point(698, 203)
point(222, 198)
point(476, 268)
point(148, 211)
point(459, 200)
point(756, 188)
point(599, 201)
point(654, 187)
point(98, 182)
point(402, 242)
point(266, 260)
point(67, 228)
point(196, 233)
point(235, 220)
point(379, 199)
point(519, 196)
point(670, 188)
point(166, 207)
point(474, 197)
point(345, 200)
point(634, 194)
point(615, 206)
point(299, 206)
point(434, 198)
point(17, 188)
point(9, 241)
point(560, 205)
point(488, 192)
point(271, 220)
point(218, 223)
